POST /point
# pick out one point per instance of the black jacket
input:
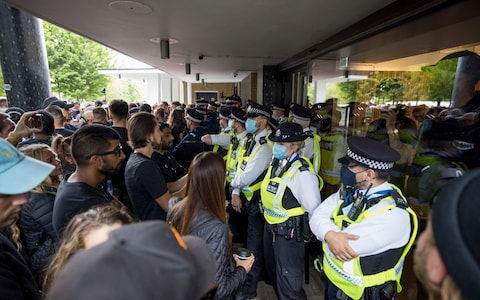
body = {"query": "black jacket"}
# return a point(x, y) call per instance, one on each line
point(215, 233)
point(38, 235)
point(16, 280)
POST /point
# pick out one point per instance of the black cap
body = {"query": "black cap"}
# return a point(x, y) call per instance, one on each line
point(273, 124)
point(48, 101)
point(369, 153)
point(224, 113)
point(62, 104)
point(141, 261)
point(255, 110)
point(213, 104)
point(288, 132)
point(455, 223)
point(233, 100)
point(15, 113)
point(238, 114)
point(201, 102)
point(278, 107)
point(98, 103)
point(146, 107)
point(133, 110)
point(300, 112)
point(194, 115)
point(14, 109)
point(201, 110)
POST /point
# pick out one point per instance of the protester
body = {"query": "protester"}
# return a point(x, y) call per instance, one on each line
point(18, 174)
point(203, 213)
point(141, 261)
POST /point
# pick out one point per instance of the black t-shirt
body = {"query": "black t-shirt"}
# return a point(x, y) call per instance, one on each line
point(171, 169)
point(73, 198)
point(145, 183)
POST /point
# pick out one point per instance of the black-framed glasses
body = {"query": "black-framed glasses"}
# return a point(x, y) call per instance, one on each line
point(117, 151)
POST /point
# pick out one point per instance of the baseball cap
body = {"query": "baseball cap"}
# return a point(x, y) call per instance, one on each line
point(141, 261)
point(62, 104)
point(20, 173)
point(47, 101)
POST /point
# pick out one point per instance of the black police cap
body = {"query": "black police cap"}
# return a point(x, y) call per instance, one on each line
point(288, 132)
point(369, 153)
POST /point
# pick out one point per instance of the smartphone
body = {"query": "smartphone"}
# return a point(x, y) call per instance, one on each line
point(36, 121)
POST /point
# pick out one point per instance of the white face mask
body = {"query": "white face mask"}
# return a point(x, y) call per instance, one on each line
point(230, 124)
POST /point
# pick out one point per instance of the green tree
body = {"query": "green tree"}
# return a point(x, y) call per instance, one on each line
point(74, 62)
point(347, 91)
point(442, 77)
point(2, 90)
point(389, 89)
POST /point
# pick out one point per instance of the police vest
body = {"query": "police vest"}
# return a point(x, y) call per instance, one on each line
point(248, 154)
point(353, 285)
point(332, 147)
point(221, 150)
point(278, 202)
point(316, 159)
point(235, 152)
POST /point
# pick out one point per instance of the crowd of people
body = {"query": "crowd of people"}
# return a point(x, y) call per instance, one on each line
point(359, 181)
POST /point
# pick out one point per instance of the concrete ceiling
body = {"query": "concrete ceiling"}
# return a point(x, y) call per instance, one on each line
point(241, 36)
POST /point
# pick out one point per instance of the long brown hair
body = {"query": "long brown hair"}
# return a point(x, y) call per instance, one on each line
point(73, 236)
point(204, 190)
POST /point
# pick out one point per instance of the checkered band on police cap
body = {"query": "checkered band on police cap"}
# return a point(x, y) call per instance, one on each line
point(259, 110)
point(372, 164)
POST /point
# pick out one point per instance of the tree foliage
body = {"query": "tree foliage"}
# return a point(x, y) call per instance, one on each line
point(442, 78)
point(2, 90)
point(74, 62)
point(389, 89)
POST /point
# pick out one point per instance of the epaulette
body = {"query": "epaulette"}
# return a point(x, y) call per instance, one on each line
point(305, 165)
point(262, 140)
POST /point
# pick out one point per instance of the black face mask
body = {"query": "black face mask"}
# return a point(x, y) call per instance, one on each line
point(347, 177)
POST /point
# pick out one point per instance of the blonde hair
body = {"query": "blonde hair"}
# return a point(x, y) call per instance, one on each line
point(50, 183)
point(72, 239)
point(62, 146)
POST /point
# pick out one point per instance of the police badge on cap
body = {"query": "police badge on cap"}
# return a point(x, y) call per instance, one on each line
point(288, 132)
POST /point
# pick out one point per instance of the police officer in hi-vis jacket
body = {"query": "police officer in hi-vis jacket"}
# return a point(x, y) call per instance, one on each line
point(366, 227)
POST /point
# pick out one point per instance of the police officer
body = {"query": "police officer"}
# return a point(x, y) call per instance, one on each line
point(222, 140)
point(191, 143)
point(247, 181)
point(289, 190)
point(302, 115)
point(366, 227)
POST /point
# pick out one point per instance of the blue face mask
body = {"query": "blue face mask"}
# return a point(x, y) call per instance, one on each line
point(347, 177)
point(279, 151)
point(251, 126)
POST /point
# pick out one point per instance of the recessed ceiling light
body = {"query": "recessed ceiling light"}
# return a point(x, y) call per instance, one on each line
point(156, 40)
point(132, 7)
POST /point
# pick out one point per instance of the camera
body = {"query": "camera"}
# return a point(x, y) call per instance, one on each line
point(200, 57)
point(36, 121)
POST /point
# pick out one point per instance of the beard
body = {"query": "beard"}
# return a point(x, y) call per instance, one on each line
point(108, 169)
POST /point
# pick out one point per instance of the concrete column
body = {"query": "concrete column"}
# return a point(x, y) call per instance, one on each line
point(467, 75)
point(23, 58)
